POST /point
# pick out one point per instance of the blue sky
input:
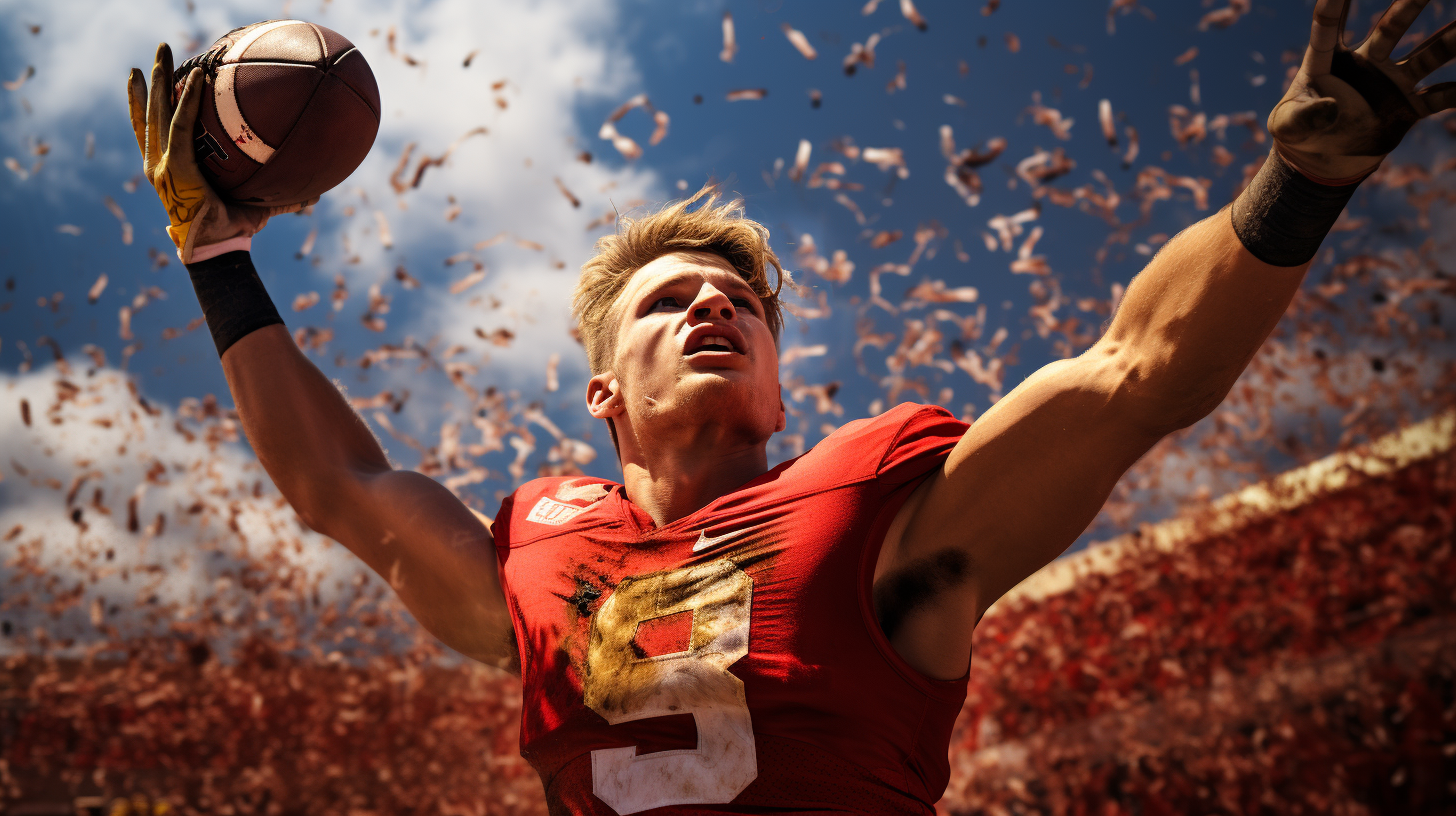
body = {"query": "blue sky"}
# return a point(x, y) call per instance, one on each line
point(566, 65)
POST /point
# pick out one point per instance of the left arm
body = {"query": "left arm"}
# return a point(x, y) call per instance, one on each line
point(1035, 470)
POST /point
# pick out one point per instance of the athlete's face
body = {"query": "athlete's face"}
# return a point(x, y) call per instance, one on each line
point(693, 344)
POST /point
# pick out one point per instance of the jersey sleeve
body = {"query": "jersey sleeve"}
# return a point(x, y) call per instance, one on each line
point(924, 436)
point(901, 444)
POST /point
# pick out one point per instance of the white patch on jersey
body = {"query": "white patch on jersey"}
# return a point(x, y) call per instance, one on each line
point(623, 687)
point(551, 511)
point(582, 490)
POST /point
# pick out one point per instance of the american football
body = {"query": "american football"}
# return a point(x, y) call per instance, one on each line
point(291, 109)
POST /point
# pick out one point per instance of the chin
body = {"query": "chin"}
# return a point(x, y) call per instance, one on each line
point(725, 387)
point(729, 397)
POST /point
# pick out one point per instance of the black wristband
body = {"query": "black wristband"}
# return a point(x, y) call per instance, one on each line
point(1282, 216)
point(233, 299)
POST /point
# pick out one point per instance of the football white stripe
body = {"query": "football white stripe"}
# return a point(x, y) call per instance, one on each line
point(225, 95)
point(226, 98)
point(236, 52)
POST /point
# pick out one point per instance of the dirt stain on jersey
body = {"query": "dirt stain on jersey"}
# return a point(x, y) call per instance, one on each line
point(590, 586)
point(718, 594)
point(581, 601)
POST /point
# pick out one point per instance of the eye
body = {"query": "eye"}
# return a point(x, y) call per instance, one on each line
point(663, 303)
point(746, 304)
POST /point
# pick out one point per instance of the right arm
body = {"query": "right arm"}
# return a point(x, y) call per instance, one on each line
point(434, 552)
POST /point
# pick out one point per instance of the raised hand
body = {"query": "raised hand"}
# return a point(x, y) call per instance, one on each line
point(199, 217)
point(1347, 108)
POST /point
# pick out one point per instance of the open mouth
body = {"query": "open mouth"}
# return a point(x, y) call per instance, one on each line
point(711, 340)
point(709, 344)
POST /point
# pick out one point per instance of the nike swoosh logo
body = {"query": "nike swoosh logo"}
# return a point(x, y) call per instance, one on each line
point(706, 541)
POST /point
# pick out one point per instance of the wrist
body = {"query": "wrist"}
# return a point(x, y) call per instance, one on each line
point(233, 299)
point(239, 243)
point(1331, 173)
point(1283, 215)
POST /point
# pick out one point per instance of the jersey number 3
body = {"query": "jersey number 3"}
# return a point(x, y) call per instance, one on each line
point(623, 687)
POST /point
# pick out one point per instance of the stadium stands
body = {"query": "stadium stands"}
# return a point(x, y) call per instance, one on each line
point(1288, 650)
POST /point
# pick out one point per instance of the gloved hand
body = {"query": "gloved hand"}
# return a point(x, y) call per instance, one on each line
point(203, 225)
point(1347, 108)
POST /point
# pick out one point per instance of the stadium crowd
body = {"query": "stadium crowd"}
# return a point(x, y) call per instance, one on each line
point(1302, 664)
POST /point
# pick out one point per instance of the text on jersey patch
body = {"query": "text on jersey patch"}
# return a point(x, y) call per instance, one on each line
point(550, 511)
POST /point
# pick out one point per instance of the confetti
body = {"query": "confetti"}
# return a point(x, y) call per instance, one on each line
point(747, 94)
point(799, 41)
point(908, 10)
point(730, 44)
point(468, 281)
point(801, 160)
point(19, 81)
point(1104, 118)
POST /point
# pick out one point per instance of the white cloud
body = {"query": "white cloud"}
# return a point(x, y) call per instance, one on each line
point(552, 56)
point(92, 445)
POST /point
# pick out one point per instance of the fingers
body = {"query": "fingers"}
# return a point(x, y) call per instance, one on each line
point(184, 120)
point(1392, 26)
point(1324, 35)
point(1435, 99)
point(1437, 50)
point(136, 102)
point(159, 104)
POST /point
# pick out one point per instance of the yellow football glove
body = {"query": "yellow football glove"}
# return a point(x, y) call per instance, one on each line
point(202, 223)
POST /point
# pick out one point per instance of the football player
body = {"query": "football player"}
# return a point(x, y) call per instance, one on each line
point(714, 634)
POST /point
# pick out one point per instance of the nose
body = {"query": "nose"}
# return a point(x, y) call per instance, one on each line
point(712, 303)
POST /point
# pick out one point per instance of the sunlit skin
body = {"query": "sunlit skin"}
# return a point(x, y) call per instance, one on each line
point(691, 424)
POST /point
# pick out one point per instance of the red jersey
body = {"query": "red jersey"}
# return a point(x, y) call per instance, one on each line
point(730, 661)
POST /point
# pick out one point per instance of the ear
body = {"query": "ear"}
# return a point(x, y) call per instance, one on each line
point(604, 396)
point(783, 415)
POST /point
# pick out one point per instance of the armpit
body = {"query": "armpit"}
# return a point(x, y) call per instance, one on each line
point(918, 585)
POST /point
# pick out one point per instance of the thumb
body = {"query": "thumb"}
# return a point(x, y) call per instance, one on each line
point(1297, 120)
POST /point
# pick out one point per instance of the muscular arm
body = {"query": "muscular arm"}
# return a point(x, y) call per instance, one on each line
point(433, 550)
point(1193, 319)
point(1033, 472)
point(436, 554)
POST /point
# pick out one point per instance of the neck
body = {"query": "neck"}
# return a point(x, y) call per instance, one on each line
point(670, 481)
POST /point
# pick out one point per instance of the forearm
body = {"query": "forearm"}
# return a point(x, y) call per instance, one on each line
point(303, 431)
point(1192, 320)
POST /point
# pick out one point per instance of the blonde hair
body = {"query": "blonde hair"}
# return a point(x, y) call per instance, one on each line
point(677, 227)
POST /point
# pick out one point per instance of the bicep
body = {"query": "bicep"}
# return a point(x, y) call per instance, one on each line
point(1031, 474)
point(436, 553)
